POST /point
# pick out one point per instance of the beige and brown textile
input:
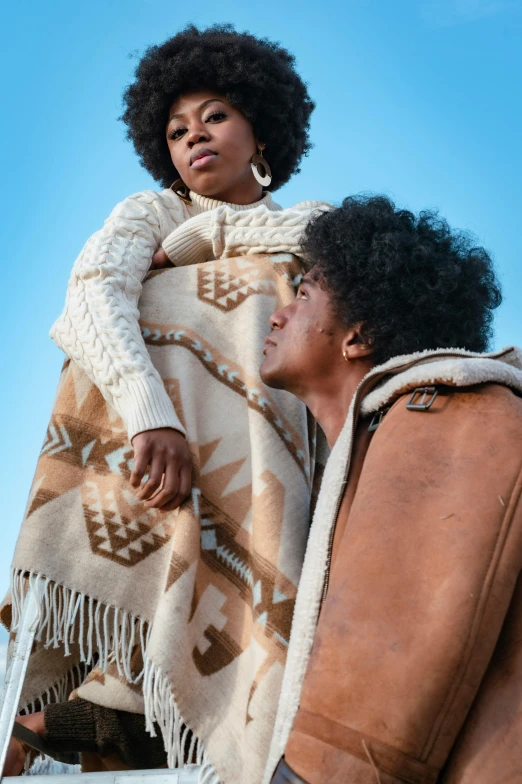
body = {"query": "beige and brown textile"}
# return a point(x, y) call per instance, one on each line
point(207, 594)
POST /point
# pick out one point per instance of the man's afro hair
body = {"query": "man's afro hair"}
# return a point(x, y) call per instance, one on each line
point(410, 281)
point(257, 76)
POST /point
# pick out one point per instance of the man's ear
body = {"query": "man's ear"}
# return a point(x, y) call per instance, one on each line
point(355, 346)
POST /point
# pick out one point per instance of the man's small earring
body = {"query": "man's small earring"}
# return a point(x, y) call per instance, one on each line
point(261, 169)
point(345, 355)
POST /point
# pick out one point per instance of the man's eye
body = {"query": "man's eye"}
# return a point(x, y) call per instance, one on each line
point(301, 293)
point(177, 133)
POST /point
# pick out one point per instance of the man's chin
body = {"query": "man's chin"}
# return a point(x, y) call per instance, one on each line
point(271, 375)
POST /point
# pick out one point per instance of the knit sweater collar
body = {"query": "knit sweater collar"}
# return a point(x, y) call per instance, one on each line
point(204, 203)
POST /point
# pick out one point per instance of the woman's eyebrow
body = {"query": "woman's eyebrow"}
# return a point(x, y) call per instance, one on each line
point(200, 107)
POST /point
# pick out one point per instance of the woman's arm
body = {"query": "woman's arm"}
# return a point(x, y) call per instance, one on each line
point(225, 232)
point(99, 328)
point(82, 726)
point(99, 331)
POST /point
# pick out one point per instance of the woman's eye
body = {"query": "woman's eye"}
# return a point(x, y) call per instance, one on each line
point(216, 116)
point(177, 133)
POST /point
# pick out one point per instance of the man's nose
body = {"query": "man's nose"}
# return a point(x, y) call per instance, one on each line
point(278, 319)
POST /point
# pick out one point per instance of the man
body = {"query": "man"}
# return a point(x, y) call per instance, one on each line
point(404, 663)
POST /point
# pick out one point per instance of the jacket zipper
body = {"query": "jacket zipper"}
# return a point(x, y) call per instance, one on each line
point(355, 413)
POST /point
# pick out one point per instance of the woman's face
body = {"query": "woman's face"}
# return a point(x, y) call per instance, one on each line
point(211, 144)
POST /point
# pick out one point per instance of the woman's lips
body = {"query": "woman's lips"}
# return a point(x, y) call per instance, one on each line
point(203, 160)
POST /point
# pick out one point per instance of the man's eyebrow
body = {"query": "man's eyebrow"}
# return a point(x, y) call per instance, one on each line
point(201, 106)
point(309, 281)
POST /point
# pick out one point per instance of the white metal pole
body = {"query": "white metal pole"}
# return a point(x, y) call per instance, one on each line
point(15, 675)
point(188, 775)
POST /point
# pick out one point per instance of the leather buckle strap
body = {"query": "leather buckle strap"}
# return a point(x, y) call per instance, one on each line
point(344, 738)
point(422, 404)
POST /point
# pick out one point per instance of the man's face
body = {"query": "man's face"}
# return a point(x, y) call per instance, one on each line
point(305, 343)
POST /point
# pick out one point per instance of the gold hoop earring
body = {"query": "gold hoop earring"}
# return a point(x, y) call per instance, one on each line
point(260, 168)
point(345, 356)
point(181, 190)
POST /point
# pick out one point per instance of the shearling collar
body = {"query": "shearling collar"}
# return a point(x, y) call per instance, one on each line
point(451, 367)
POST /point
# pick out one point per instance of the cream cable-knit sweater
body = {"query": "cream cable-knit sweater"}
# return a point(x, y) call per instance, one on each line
point(99, 328)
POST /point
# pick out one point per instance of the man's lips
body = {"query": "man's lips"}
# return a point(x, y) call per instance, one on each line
point(268, 344)
point(202, 158)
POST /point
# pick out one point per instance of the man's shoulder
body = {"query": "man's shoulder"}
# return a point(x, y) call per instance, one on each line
point(446, 446)
point(483, 417)
point(442, 398)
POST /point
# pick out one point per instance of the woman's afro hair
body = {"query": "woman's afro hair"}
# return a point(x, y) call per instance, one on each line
point(411, 282)
point(255, 75)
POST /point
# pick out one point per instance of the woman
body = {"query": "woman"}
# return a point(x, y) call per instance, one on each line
point(404, 660)
point(205, 112)
point(220, 119)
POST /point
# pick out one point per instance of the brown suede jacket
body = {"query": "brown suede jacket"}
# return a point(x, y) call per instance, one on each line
point(405, 662)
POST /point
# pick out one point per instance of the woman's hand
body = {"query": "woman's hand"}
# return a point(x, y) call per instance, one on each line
point(160, 260)
point(165, 453)
point(15, 759)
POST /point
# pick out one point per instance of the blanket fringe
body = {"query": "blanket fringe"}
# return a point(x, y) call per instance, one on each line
point(58, 692)
point(65, 617)
point(181, 743)
point(106, 635)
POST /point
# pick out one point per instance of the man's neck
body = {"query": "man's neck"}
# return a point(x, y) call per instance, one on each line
point(330, 407)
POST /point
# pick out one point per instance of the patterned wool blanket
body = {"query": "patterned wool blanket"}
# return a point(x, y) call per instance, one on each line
point(185, 615)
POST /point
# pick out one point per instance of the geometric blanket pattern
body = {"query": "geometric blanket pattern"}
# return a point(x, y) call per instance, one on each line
point(202, 597)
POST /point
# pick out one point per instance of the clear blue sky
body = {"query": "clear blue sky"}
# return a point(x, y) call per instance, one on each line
point(419, 99)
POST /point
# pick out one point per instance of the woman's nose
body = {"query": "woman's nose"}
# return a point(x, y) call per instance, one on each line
point(196, 135)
